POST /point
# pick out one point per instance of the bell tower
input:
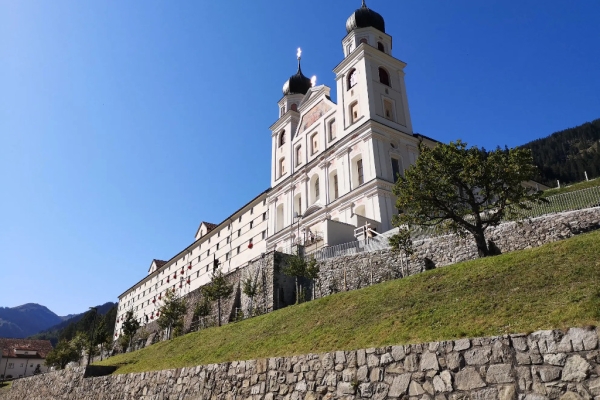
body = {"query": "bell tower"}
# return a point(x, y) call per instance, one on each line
point(283, 130)
point(370, 81)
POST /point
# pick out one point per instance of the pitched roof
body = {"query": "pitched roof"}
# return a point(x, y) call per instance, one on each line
point(8, 346)
point(210, 226)
point(159, 263)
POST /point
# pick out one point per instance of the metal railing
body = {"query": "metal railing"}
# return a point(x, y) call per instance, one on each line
point(572, 201)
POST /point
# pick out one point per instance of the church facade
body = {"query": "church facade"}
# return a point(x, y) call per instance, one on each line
point(333, 167)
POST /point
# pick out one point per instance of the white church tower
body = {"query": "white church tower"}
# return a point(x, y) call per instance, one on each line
point(334, 165)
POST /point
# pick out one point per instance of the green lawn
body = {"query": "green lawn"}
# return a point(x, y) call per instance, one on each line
point(4, 386)
point(553, 286)
point(573, 187)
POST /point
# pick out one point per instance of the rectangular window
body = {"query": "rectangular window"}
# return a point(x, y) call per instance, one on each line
point(251, 223)
point(264, 234)
point(226, 256)
point(281, 167)
point(354, 112)
point(298, 155)
point(11, 365)
point(240, 219)
point(218, 246)
point(332, 130)
point(228, 239)
point(335, 187)
point(388, 110)
point(238, 250)
point(315, 143)
point(264, 216)
point(300, 204)
point(395, 169)
point(359, 168)
point(208, 253)
point(197, 274)
point(239, 232)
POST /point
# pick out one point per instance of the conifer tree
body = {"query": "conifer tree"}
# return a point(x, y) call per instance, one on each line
point(217, 290)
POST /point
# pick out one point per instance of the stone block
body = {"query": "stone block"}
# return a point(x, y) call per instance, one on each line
point(555, 359)
point(499, 373)
point(468, 379)
point(345, 388)
point(429, 361)
point(362, 373)
point(340, 357)
point(365, 389)
point(380, 391)
point(361, 358)
point(485, 394)
point(548, 373)
point(507, 392)
point(399, 385)
point(478, 355)
point(398, 353)
point(349, 374)
point(594, 386)
point(376, 375)
point(414, 389)
point(411, 362)
point(386, 359)
point(576, 369)
point(372, 360)
point(535, 396)
point(454, 361)
point(462, 344)
point(571, 396)
point(579, 339)
point(442, 383)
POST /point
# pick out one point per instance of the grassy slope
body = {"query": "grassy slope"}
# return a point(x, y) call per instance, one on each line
point(572, 188)
point(554, 286)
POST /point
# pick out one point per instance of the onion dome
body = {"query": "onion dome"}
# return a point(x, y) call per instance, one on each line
point(364, 17)
point(298, 83)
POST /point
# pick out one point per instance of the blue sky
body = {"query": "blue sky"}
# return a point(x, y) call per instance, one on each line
point(125, 124)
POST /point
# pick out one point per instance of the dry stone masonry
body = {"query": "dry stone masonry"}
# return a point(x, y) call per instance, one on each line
point(539, 366)
point(363, 269)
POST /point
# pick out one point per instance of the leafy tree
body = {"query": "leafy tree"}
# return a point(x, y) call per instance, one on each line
point(250, 289)
point(62, 354)
point(171, 313)
point(296, 267)
point(300, 268)
point(218, 289)
point(464, 190)
point(402, 242)
point(80, 342)
point(202, 310)
point(130, 327)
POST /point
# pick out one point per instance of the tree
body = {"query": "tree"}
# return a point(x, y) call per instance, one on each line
point(402, 242)
point(296, 267)
point(218, 289)
point(130, 327)
point(250, 289)
point(80, 342)
point(300, 268)
point(171, 313)
point(464, 190)
point(61, 355)
point(201, 311)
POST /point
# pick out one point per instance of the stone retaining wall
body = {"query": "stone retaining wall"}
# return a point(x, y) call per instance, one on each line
point(542, 365)
point(363, 269)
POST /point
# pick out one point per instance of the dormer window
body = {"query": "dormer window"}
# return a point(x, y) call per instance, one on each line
point(352, 79)
point(384, 77)
point(281, 138)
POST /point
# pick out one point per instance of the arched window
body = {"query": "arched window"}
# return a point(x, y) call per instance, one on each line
point(281, 138)
point(363, 40)
point(317, 189)
point(380, 47)
point(294, 107)
point(352, 78)
point(384, 77)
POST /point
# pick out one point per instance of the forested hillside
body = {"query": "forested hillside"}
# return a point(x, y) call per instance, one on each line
point(104, 322)
point(567, 154)
point(25, 320)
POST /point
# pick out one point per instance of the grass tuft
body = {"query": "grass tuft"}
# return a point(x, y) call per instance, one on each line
point(549, 287)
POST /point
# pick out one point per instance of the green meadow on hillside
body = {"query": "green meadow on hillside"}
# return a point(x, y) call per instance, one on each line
point(553, 286)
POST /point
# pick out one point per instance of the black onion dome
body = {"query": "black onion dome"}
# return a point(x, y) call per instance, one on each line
point(364, 17)
point(297, 84)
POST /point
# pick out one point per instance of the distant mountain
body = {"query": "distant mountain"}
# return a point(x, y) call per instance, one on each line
point(83, 322)
point(567, 154)
point(25, 320)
